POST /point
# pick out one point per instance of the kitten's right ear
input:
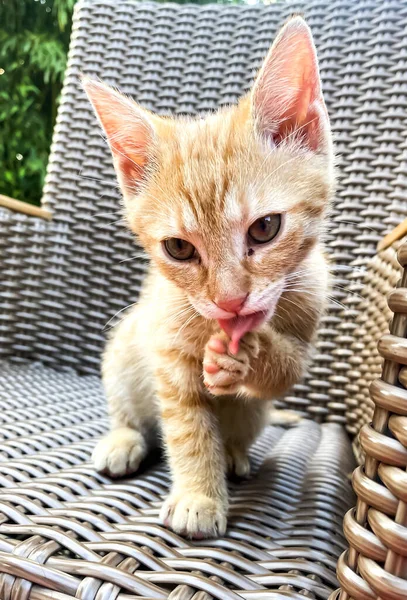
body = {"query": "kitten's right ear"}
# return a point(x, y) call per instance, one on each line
point(129, 132)
point(287, 99)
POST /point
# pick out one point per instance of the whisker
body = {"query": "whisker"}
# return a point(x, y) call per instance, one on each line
point(339, 221)
point(305, 309)
point(348, 291)
point(311, 293)
point(110, 182)
point(102, 225)
point(290, 160)
point(118, 313)
point(335, 301)
point(188, 322)
point(141, 255)
point(181, 313)
point(297, 274)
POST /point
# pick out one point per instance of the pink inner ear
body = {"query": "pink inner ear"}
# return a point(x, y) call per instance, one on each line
point(128, 132)
point(287, 94)
point(131, 155)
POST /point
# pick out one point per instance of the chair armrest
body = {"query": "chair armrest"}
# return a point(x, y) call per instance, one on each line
point(375, 564)
point(24, 208)
point(23, 244)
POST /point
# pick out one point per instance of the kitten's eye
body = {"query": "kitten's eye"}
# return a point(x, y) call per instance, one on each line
point(265, 229)
point(179, 249)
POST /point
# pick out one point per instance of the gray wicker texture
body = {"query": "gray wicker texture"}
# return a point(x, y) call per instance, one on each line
point(189, 59)
point(371, 323)
point(67, 532)
point(65, 528)
point(23, 242)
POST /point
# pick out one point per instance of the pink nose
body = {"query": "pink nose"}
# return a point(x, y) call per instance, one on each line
point(232, 304)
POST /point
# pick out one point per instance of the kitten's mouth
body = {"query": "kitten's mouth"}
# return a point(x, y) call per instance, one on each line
point(237, 327)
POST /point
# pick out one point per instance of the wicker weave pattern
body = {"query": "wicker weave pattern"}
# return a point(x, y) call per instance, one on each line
point(23, 246)
point(65, 528)
point(375, 564)
point(192, 59)
point(67, 532)
point(371, 322)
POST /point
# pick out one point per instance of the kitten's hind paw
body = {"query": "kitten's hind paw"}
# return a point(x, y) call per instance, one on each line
point(237, 461)
point(284, 417)
point(194, 515)
point(120, 452)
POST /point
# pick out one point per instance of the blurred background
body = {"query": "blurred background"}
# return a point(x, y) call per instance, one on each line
point(34, 41)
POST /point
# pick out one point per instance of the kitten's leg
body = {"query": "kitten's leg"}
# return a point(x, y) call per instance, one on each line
point(241, 421)
point(197, 505)
point(131, 403)
point(267, 364)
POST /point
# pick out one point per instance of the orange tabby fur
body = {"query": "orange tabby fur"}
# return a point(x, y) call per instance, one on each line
point(168, 366)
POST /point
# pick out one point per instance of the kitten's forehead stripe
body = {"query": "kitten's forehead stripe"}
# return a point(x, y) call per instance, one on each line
point(208, 157)
point(189, 220)
point(233, 209)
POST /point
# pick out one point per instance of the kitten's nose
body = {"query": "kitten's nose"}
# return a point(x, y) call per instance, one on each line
point(231, 304)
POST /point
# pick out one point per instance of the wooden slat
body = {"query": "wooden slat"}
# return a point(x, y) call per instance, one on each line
point(397, 233)
point(24, 207)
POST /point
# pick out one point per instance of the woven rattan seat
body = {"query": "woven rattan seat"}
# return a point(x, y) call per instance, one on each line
point(67, 532)
point(285, 522)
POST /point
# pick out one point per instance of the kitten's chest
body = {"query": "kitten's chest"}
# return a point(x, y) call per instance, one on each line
point(175, 324)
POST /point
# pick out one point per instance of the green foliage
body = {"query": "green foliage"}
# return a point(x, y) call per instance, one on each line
point(34, 39)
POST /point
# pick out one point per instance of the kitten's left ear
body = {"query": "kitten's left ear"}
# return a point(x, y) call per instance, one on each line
point(129, 131)
point(287, 98)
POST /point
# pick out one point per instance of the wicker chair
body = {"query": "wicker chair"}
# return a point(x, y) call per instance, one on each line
point(67, 532)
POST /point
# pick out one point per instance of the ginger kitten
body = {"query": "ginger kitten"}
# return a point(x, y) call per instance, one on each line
point(230, 209)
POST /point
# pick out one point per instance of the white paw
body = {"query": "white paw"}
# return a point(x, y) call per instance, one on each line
point(237, 462)
point(194, 515)
point(223, 372)
point(120, 452)
point(284, 417)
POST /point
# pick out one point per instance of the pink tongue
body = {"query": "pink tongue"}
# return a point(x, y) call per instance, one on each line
point(237, 327)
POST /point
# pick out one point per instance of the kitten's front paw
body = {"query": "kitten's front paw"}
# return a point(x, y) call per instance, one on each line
point(194, 515)
point(224, 373)
point(120, 452)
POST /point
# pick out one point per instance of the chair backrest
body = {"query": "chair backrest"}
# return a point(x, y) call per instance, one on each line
point(191, 59)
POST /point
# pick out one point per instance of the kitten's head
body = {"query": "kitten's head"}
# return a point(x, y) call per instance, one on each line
point(228, 205)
